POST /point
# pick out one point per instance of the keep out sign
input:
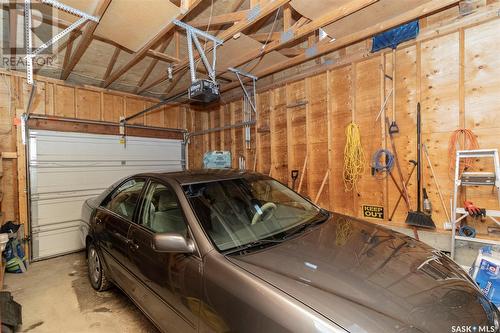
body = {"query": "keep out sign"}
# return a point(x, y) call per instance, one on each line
point(374, 212)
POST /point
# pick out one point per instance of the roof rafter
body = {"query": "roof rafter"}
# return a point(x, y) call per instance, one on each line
point(264, 9)
point(112, 62)
point(323, 48)
point(87, 34)
point(69, 48)
point(144, 50)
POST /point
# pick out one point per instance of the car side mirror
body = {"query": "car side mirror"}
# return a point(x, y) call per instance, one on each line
point(172, 242)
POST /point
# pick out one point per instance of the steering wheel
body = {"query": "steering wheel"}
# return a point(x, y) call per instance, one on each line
point(270, 206)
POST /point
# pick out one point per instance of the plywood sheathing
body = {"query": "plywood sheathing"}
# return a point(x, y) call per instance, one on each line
point(134, 23)
point(481, 88)
point(235, 47)
point(364, 18)
point(86, 6)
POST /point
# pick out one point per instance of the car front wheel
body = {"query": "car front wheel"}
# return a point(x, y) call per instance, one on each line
point(97, 272)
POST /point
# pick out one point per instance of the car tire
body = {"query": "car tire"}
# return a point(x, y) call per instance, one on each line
point(97, 272)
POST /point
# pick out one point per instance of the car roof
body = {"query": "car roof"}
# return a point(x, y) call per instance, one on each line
point(202, 175)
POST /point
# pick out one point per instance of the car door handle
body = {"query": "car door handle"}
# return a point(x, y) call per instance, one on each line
point(121, 237)
point(133, 244)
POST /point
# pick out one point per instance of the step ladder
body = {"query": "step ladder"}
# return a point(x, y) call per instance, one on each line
point(474, 179)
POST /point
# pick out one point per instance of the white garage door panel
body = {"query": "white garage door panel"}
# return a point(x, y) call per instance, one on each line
point(68, 168)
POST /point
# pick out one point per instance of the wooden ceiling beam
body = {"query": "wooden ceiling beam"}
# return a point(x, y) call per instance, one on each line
point(287, 17)
point(265, 9)
point(69, 49)
point(152, 65)
point(84, 43)
point(264, 36)
point(323, 48)
point(227, 18)
point(144, 50)
point(112, 62)
point(163, 56)
point(303, 31)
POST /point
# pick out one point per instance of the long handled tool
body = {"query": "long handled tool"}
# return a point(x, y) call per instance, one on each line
point(418, 218)
point(401, 194)
point(403, 190)
point(398, 167)
point(393, 127)
point(436, 182)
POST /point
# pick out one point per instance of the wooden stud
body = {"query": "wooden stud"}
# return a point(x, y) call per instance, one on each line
point(22, 185)
point(302, 174)
point(325, 178)
point(461, 80)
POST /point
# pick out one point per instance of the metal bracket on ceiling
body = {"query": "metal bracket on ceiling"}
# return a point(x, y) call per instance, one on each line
point(192, 38)
point(249, 100)
point(84, 17)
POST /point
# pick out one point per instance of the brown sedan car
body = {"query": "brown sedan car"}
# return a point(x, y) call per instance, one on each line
point(228, 251)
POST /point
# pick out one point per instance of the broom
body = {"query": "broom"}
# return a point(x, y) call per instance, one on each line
point(418, 218)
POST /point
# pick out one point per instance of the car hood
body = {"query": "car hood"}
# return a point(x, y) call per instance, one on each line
point(367, 278)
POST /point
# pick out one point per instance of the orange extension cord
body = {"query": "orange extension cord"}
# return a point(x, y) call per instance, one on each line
point(461, 139)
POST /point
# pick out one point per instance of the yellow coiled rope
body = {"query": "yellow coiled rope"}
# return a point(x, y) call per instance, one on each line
point(354, 157)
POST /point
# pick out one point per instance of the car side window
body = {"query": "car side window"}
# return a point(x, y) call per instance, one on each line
point(125, 198)
point(161, 211)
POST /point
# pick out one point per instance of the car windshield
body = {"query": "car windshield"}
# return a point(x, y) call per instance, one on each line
point(239, 212)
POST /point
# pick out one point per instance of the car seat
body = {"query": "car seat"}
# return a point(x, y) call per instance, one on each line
point(168, 216)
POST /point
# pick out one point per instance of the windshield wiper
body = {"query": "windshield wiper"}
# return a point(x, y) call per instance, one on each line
point(261, 243)
point(306, 226)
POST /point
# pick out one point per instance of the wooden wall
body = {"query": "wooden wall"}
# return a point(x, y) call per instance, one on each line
point(55, 98)
point(454, 72)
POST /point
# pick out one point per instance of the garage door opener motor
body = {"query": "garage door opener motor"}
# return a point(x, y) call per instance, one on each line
point(201, 90)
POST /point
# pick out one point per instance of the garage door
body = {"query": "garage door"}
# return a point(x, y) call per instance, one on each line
point(68, 168)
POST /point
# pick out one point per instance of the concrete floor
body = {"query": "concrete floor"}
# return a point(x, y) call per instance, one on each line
point(56, 296)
